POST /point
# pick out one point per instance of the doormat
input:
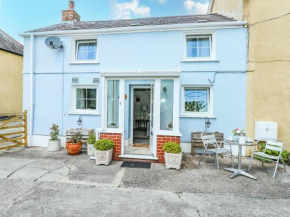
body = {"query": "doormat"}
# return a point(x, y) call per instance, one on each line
point(136, 164)
point(141, 145)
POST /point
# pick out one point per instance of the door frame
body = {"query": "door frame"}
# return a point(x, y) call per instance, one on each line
point(132, 88)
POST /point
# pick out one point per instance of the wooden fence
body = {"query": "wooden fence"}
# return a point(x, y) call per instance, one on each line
point(13, 130)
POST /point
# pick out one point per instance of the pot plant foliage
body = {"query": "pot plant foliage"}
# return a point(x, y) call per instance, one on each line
point(284, 154)
point(76, 137)
point(91, 139)
point(104, 145)
point(54, 132)
point(172, 147)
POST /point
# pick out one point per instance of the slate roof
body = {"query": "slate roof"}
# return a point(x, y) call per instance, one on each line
point(154, 21)
point(10, 44)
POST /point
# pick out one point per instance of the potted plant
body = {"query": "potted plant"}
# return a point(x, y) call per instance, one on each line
point(54, 142)
point(90, 144)
point(113, 125)
point(74, 145)
point(241, 134)
point(173, 155)
point(104, 151)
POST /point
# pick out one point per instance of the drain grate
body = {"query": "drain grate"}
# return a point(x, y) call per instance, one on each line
point(136, 165)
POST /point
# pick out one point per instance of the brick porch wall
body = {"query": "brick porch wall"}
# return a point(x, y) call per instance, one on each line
point(116, 138)
point(160, 142)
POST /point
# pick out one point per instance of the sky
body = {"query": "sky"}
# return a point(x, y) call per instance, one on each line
point(18, 16)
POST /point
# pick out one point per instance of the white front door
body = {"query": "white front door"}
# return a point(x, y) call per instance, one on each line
point(152, 119)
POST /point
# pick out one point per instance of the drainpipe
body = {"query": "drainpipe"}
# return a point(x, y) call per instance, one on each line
point(31, 88)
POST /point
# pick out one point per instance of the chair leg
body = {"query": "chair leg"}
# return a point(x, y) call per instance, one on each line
point(232, 160)
point(217, 161)
point(214, 158)
point(283, 164)
point(275, 169)
point(201, 157)
point(251, 162)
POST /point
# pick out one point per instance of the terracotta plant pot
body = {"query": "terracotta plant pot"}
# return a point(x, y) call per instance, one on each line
point(73, 148)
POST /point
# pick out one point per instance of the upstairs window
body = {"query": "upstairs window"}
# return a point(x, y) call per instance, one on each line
point(86, 50)
point(198, 47)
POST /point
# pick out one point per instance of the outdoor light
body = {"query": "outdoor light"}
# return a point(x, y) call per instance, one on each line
point(80, 121)
point(207, 124)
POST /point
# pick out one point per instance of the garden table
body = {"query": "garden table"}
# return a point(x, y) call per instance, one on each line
point(240, 171)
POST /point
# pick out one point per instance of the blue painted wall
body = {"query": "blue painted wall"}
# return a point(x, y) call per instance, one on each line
point(145, 51)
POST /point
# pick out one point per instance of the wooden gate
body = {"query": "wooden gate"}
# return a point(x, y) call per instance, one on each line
point(13, 130)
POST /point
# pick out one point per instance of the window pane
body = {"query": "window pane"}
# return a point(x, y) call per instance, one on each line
point(82, 47)
point(91, 55)
point(92, 93)
point(92, 46)
point(204, 52)
point(113, 104)
point(91, 104)
point(81, 93)
point(192, 42)
point(81, 104)
point(166, 106)
point(192, 52)
point(196, 100)
point(203, 42)
point(82, 56)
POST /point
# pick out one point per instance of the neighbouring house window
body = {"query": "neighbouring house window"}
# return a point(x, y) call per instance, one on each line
point(196, 100)
point(166, 104)
point(113, 104)
point(86, 98)
point(86, 50)
point(198, 46)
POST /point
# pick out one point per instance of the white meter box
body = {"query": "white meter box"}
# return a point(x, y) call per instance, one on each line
point(266, 130)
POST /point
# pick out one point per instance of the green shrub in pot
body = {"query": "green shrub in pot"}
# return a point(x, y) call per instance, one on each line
point(173, 155)
point(104, 151)
point(172, 147)
point(90, 144)
point(104, 145)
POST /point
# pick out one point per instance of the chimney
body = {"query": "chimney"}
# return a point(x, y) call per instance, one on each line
point(70, 15)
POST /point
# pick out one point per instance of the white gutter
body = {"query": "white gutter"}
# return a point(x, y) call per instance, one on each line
point(171, 27)
point(31, 88)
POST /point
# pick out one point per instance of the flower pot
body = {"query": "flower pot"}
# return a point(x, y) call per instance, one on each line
point(90, 150)
point(173, 161)
point(242, 139)
point(54, 145)
point(73, 148)
point(103, 157)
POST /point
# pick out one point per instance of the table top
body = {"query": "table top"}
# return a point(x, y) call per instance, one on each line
point(234, 142)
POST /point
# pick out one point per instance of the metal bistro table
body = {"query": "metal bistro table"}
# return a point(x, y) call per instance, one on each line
point(240, 171)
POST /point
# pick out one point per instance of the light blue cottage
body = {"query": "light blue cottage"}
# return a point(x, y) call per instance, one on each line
point(142, 80)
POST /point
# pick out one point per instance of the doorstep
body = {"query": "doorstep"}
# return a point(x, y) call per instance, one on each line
point(136, 156)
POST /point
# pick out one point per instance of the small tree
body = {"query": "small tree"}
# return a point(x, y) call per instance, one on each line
point(54, 132)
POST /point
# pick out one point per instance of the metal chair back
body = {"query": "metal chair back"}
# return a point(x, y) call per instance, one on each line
point(209, 140)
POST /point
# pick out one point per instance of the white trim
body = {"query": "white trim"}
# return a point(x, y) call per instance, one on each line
point(200, 34)
point(170, 27)
point(74, 110)
point(138, 156)
point(74, 44)
point(208, 114)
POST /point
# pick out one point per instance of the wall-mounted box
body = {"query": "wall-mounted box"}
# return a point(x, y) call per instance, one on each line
point(266, 130)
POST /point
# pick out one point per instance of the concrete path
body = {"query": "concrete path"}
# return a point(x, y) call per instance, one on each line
point(34, 182)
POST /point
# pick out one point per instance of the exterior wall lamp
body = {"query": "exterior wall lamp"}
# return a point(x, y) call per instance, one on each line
point(207, 124)
point(80, 122)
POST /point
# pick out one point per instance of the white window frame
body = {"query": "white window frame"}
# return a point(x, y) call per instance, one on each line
point(74, 50)
point(208, 114)
point(212, 41)
point(74, 109)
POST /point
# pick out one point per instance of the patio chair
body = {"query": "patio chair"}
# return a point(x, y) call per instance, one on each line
point(216, 151)
point(274, 145)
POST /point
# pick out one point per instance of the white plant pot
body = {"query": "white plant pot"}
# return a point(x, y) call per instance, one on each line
point(54, 145)
point(242, 139)
point(103, 157)
point(173, 161)
point(90, 150)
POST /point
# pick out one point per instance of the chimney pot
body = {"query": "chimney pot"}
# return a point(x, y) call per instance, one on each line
point(71, 5)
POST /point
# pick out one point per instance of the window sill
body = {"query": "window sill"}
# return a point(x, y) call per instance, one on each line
point(84, 62)
point(84, 113)
point(199, 60)
point(197, 116)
